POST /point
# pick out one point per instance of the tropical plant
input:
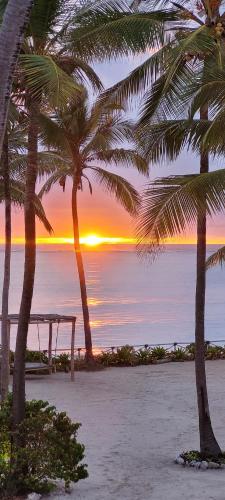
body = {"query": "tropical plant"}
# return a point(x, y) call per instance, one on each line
point(158, 352)
point(179, 355)
point(87, 139)
point(217, 258)
point(14, 18)
point(144, 356)
point(50, 450)
point(12, 191)
point(178, 71)
point(125, 356)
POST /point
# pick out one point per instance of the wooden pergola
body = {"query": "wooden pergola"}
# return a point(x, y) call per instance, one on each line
point(50, 320)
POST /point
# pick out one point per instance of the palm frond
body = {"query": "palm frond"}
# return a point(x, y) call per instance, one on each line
point(52, 134)
point(217, 258)
point(116, 185)
point(105, 32)
point(171, 204)
point(55, 178)
point(17, 193)
point(166, 139)
point(44, 76)
point(123, 157)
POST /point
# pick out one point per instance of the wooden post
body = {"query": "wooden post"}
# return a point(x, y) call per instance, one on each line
point(72, 349)
point(50, 348)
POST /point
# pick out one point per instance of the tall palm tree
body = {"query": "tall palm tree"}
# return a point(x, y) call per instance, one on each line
point(170, 204)
point(193, 40)
point(61, 42)
point(15, 16)
point(12, 190)
point(87, 139)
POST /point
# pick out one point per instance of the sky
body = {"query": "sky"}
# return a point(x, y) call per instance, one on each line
point(99, 213)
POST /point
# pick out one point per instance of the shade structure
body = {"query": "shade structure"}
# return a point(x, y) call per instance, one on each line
point(48, 319)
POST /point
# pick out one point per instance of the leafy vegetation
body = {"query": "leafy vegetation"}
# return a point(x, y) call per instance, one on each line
point(49, 450)
point(191, 455)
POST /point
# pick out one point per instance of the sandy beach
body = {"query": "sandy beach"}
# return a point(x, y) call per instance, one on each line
point(134, 422)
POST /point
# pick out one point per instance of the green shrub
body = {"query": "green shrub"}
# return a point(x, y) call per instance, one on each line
point(36, 356)
point(188, 456)
point(47, 450)
point(125, 356)
point(62, 362)
point(190, 350)
point(214, 352)
point(144, 356)
point(179, 355)
point(107, 358)
point(159, 352)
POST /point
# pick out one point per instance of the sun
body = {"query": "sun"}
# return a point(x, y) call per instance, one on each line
point(92, 240)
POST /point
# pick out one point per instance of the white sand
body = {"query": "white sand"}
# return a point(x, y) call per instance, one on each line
point(135, 421)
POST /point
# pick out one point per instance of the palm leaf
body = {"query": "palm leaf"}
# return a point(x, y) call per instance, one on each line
point(17, 193)
point(125, 158)
point(55, 178)
point(171, 204)
point(44, 76)
point(165, 140)
point(105, 32)
point(123, 191)
point(217, 258)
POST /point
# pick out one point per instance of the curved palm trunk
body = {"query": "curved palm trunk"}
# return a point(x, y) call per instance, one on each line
point(81, 273)
point(208, 443)
point(5, 340)
point(29, 270)
point(14, 23)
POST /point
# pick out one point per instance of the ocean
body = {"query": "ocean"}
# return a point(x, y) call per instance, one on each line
point(131, 300)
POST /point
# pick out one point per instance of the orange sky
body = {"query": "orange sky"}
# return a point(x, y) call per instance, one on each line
point(100, 214)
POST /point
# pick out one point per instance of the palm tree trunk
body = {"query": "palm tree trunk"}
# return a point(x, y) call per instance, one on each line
point(208, 443)
point(29, 269)
point(81, 273)
point(16, 17)
point(5, 340)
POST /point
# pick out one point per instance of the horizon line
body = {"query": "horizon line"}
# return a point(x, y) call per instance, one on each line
point(92, 240)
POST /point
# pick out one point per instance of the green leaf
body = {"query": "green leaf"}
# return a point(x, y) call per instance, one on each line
point(217, 258)
point(125, 158)
point(123, 191)
point(171, 204)
point(44, 76)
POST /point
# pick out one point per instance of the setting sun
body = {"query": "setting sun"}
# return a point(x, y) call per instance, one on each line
point(91, 240)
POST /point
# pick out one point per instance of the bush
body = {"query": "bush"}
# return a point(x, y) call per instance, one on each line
point(107, 358)
point(159, 352)
point(47, 450)
point(214, 352)
point(190, 350)
point(125, 356)
point(62, 362)
point(36, 357)
point(179, 355)
point(144, 356)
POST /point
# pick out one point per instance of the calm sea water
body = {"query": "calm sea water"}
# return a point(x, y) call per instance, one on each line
point(131, 301)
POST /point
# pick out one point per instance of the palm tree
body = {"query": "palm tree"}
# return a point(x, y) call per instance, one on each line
point(15, 16)
point(87, 138)
point(61, 42)
point(12, 190)
point(169, 205)
point(194, 41)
